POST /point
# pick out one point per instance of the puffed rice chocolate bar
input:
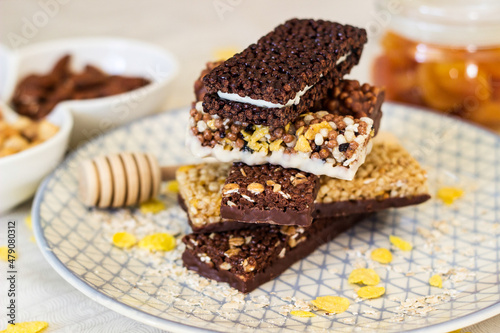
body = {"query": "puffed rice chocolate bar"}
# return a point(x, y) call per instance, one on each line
point(269, 194)
point(319, 142)
point(279, 76)
point(389, 178)
point(248, 258)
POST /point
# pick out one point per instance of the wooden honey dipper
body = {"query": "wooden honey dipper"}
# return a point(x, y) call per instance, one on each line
point(122, 179)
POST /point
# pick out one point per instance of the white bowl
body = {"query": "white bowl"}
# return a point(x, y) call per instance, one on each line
point(119, 56)
point(21, 173)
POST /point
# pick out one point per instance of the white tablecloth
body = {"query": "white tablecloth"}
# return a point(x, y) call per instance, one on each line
point(193, 31)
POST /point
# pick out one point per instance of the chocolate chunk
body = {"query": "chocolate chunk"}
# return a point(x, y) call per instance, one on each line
point(269, 194)
point(248, 258)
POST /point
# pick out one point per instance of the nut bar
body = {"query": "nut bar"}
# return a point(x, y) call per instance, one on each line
point(317, 142)
point(248, 258)
point(269, 194)
point(389, 178)
point(282, 66)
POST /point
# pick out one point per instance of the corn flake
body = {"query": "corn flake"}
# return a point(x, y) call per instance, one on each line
point(449, 194)
point(172, 186)
point(185, 168)
point(381, 255)
point(364, 276)
point(275, 145)
point(436, 281)
point(371, 292)
point(124, 239)
point(159, 242)
point(331, 304)
point(4, 253)
point(303, 314)
point(316, 128)
point(28, 222)
point(303, 145)
point(152, 206)
point(27, 327)
point(400, 243)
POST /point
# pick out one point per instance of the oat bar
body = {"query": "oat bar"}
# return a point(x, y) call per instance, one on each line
point(389, 178)
point(248, 258)
point(319, 142)
point(279, 70)
point(269, 194)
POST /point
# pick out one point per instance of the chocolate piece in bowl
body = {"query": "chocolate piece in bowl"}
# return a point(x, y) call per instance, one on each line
point(273, 80)
point(269, 194)
point(390, 177)
point(248, 258)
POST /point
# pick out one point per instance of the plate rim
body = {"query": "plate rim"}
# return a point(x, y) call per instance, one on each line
point(161, 323)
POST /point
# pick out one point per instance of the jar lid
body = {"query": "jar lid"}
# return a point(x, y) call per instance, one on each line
point(466, 23)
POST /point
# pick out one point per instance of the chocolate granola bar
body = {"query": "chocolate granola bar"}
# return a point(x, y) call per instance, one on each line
point(389, 178)
point(279, 72)
point(269, 194)
point(248, 258)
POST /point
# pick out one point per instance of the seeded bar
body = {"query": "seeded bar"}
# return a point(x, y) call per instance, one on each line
point(248, 258)
point(294, 56)
point(269, 194)
point(390, 177)
point(317, 142)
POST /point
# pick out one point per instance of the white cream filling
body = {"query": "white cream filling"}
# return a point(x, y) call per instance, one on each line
point(265, 104)
point(301, 161)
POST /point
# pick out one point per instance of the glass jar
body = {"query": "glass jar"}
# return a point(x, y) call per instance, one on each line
point(443, 54)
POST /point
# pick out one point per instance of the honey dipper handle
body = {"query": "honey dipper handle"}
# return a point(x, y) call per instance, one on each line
point(168, 172)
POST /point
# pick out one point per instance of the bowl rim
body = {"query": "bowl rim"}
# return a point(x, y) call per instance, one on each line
point(62, 134)
point(47, 46)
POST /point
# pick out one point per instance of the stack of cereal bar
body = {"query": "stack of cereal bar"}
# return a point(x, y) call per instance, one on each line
point(293, 139)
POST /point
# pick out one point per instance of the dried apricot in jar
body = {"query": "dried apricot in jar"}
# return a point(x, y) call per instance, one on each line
point(124, 239)
point(331, 304)
point(436, 281)
point(27, 327)
point(381, 255)
point(159, 242)
point(371, 292)
point(449, 194)
point(152, 206)
point(400, 243)
point(303, 314)
point(364, 276)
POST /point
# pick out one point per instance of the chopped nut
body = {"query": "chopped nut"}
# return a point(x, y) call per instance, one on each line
point(230, 188)
point(248, 239)
point(255, 188)
point(298, 179)
point(230, 203)
point(282, 253)
point(243, 172)
point(249, 267)
point(236, 241)
point(225, 266)
point(232, 252)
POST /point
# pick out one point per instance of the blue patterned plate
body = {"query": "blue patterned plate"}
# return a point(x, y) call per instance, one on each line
point(460, 242)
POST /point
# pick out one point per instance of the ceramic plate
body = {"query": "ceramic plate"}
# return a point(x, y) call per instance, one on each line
point(459, 241)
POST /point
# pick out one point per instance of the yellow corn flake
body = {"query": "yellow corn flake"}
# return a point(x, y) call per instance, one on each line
point(185, 168)
point(299, 131)
point(211, 124)
point(4, 254)
point(158, 242)
point(287, 127)
point(400, 243)
point(275, 145)
point(364, 276)
point(33, 239)
point(259, 133)
point(436, 281)
point(225, 53)
point(246, 136)
point(303, 314)
point(254, 145)
point(152, 206)
point(449, 194)
point(381, 255)
point(124, 239)
point(27, 327)
point(172, 186)
point(371, 292)
point(331, 304)
point(316, 128)
point(29, 222)
point(264, 148)
point(303, 145)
